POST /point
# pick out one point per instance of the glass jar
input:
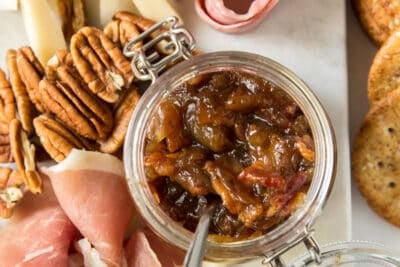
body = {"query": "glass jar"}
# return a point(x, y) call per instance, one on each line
point(291, 231)
point(354, 254)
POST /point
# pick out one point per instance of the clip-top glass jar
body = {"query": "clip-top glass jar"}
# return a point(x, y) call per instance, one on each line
point(294, 230)
point(354, 254)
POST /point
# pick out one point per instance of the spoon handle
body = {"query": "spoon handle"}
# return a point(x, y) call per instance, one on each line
point(195, 253)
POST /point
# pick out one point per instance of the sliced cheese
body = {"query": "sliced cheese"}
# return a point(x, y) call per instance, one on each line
point(156, 10)
point(43, 27)
point(100, 12)
point(9, 5)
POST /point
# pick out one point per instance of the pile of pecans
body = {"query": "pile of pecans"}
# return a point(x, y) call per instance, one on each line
point(83, 98)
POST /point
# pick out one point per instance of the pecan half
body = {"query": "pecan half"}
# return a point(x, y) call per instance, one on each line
point(56, 139)
point(7, 101)
point(72, 15)
point(122, 115)
point(69, 99)
point(121, 32)
point(78, 15)
point(142, 24)
point(101, 63)
point(31, 72)
point(24, 155)
point(10, 191)
point(4, 134)
point(24, 105)
point(5, 149)
point(9, 178)
point(4, 177)
point(62, 56)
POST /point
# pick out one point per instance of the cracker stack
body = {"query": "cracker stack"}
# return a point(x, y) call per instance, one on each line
point(376, 152)
point(379, 18)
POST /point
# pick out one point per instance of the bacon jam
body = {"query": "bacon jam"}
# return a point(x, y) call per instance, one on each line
point(233, 140)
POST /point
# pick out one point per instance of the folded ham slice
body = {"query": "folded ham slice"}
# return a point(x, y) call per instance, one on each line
point(91, 189)
point(31, 203)
point(40, 233)
point(145, 249)
point(222, 18)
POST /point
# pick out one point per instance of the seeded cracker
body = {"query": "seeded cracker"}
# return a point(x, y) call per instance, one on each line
point(379, 18)
point(376, 158)
point(384, 73)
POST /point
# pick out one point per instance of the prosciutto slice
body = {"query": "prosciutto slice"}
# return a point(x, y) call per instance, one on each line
point(40, 233)
point(32, 203)
point(222, 18)
point(146, 249)
point(91, 189)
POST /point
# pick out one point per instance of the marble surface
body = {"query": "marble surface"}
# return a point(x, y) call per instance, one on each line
point(307, 36)
point(366, 225)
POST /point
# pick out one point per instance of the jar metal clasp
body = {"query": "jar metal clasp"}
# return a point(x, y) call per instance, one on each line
point(177, 42)
point(312, 246)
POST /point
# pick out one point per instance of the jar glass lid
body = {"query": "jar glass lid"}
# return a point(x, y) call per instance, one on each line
point(354, 254)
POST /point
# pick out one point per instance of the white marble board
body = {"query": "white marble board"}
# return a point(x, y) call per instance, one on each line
point(307, 36)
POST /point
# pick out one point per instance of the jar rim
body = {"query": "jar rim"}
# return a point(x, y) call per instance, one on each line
point(325, 148)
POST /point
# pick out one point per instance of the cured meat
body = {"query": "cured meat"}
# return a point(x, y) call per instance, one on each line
point(91, 188)
point(32, 203)
point(75, 260)
point(139, 253)
point(222, 18)
point(40, 233)
point(146, 249)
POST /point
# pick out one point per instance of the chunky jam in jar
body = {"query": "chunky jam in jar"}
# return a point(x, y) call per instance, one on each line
point(232, 140)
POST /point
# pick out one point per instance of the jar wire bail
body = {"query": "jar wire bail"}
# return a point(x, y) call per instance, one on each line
point(169, 43)
point(311, 244)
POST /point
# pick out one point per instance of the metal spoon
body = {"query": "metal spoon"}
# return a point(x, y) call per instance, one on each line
point(194, 255)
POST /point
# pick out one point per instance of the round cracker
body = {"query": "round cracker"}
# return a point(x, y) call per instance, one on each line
point(378, 17)
point(384, 74)
point(376, 158)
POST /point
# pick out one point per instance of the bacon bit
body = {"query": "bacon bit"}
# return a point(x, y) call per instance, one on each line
point(257, 173)
point(278, 202)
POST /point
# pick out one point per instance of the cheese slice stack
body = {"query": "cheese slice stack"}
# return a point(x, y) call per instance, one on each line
point(43, 27)
point(156, 9)
point(100, 12)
